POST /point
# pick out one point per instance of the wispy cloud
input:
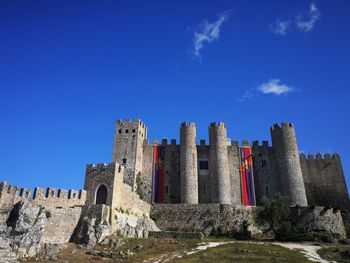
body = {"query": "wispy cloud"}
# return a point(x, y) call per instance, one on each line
point(208, 32)
point(249, 94)
point(272, 86)
point(307, 23)
point(280, 27)
point(304, 23)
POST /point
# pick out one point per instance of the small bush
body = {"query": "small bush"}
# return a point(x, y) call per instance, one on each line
point(154, 216)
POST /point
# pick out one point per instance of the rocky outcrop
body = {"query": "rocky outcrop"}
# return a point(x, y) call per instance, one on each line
point(25, 227)
point(30, 230)
point(93, 226)
point(129, 225)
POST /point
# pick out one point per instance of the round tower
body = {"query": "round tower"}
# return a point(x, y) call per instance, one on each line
point(188, 164)
point(288, 163)
point(219, 168)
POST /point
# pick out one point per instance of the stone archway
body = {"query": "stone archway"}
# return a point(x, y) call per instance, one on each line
point(101, 195)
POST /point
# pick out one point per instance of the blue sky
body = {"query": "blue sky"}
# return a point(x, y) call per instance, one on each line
point(69, 69)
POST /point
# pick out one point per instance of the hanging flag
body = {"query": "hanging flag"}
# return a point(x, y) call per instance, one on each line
point(247, 179)
point(158, 174)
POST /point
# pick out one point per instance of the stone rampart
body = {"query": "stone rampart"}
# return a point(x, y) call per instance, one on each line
point(324, 180)
point(320, 222)
point(51, 197)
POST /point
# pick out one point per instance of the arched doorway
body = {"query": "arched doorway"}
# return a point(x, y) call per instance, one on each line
point(101, 195)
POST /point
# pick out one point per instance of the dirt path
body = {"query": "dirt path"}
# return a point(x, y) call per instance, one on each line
point(310, 251)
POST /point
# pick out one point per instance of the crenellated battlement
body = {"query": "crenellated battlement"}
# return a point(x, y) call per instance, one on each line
point(188, 124)
point(319, 156)
point(264, 144)
point(92, 169)
point(217, 125)
point(128, 122)
point(51, 197)
point(283, 125)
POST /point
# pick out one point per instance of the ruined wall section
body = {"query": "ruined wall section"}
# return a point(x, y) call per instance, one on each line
point(172, 172)
point(204, 183)
point(286, 156)
point(324, 180)
point(265, 179)
point(234, 171)
point(127, 149)
point(51, 197)
point(188, 164)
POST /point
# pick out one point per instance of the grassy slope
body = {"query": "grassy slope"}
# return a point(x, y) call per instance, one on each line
point(162, 249)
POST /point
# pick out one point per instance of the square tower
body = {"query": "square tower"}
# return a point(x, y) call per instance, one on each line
point(127, 148)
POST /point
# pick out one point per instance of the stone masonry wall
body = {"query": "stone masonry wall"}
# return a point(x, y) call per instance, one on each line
point(324, 181)
point(286, 156)
point(146, 173)
point(127, 148)
point(204, 180)
point(235, 175)
point(97, 175)
point(188, 164)
point(124, 198)
point(209, 219)
point(51, 197)
point(172, 172)
point(265, 179)
point(60, 224)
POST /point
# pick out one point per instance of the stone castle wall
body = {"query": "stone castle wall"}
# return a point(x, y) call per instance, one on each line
point(119, 194)
point(209, 219)
point(266, 179)
point(324, 180)
point(127, 148)
point(172, 172)
point(51, 197)
point(146, 173)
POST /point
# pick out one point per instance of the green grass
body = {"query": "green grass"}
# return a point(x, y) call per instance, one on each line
point(338, 253)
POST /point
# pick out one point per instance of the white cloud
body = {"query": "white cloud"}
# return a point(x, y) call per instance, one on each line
point(306, 24)
point(208, 32)
point(280, 27)
point(274, 86)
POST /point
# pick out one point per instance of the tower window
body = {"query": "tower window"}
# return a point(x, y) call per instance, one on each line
point(133, 130)
point(267, 190)
point(120, 131)
point(203, 165)
point(124, 160)
point(126, 131)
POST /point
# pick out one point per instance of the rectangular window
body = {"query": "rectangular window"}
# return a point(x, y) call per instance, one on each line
point(133, 130)
point(203, 165)
point(124, 161)
point(120, 131)
point(126, 131)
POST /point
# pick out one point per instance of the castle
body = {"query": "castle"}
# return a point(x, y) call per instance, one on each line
point(141, 174)
point(213, 173)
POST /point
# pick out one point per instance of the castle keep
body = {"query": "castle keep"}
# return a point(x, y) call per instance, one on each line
point(220, 171)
